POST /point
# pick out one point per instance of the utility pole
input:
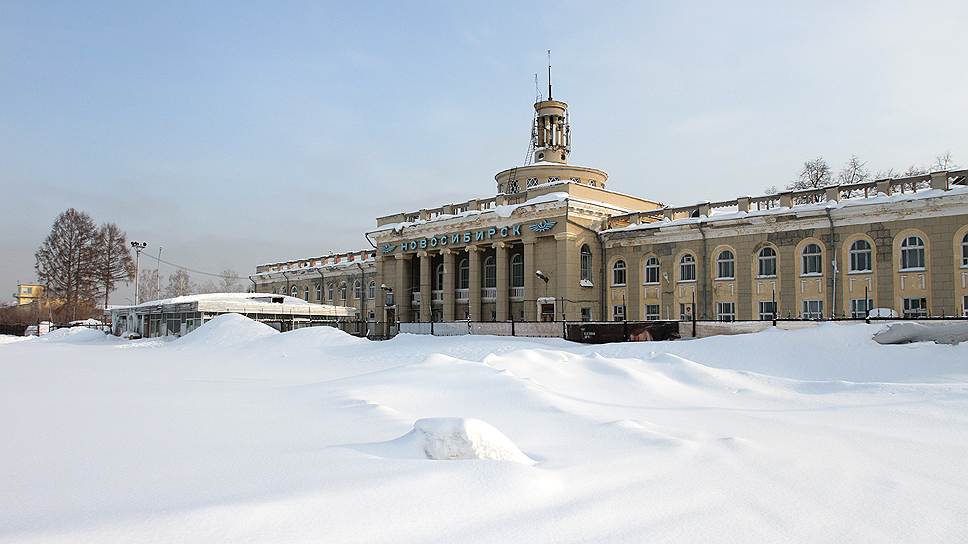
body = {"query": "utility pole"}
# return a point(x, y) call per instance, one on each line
point(138, 248)
point(158, 270)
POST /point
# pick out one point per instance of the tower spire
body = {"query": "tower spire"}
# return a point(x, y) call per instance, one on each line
point(549, 75)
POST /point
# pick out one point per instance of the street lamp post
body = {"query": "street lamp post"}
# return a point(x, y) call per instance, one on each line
point(158, 270)
point(138, 248)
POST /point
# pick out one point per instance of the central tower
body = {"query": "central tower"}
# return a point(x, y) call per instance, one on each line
point(551, 135)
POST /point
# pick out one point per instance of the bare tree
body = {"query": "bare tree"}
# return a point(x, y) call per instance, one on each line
point(67, 260)
point(230, 282)
point(943, 162)
point(815, 174)
point(180, 284)
point(886, 174)
point(148, 285)
point(915, 170)
point(208, 286)
point(855, 171)
point(114, 262)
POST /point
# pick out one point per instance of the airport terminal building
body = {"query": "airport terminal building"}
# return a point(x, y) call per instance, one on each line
point(556, 243)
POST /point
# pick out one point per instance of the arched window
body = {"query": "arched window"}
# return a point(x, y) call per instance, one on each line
point(725, 265)
point(294, 291)
point(306, 294)
point(319, 292)
point(371, 290)
point(329, 294)
point(438, 277)
point(651, 274)
point(860, 256)
point(812, 263)
point(517, 270)
point(766, 263)
point(687, 268)
point(463, 274)
point(912, 253)
point(357, 289)
point(342, 290)
point(282, 291)
point(964, 252)
point(618, 273)
point(586, 263)
point(490, 273)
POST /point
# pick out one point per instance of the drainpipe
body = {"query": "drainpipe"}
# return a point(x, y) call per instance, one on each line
point(363, 315)
point(705, 273)
point(287, 282)
point(255, 287)
point(833, 265)
point(322, 284)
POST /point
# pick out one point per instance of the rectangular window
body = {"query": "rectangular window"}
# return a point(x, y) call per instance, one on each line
point(767, 310)
point(651, 273)
point(812, 309)
point(860, 261)
point(685, 312)
point(618, 312)
point(651, 312)
point(859, 308)
point(915, 308)
point(586, 314)
point(726, 311)
point(724, 270)
point(964, 306)
point(618, 275)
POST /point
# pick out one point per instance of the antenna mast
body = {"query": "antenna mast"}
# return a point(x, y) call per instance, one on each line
point(549, 74)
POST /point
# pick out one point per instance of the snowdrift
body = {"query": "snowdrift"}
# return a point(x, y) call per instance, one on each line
point(451, 438)
point(226, 331)
point(906, 333)
point(77, 335)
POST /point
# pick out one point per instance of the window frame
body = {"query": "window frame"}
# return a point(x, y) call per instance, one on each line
point(687, 265)
point(811, 261)
point(761, 260)
point(728, 262)
point(854, 255)
point(769, 316)
point(652, 264)
point(619, 268)
point(815, 313)
point(618, 312)
point(909, 312)
point(516, 266)
point(964, 251)
point(585, 263)
point(649, 315)
point(464, 274)
point(489, 272)
point(730, 314)
point(919, 250)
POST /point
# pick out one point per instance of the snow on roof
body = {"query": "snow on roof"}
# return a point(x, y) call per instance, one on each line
point(732, 212)
point(503, 211)
point(254, 298)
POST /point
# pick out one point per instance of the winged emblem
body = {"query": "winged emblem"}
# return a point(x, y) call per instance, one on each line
point(543, 226)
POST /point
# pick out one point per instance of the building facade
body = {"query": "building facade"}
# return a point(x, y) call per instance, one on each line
point(28, 292)
point(556, 243)
point(338, 279)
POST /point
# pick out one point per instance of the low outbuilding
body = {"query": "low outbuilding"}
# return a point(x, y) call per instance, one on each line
point(180, 315)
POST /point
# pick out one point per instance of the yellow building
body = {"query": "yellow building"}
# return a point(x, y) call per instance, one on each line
point(556, 243)
point(28, 292)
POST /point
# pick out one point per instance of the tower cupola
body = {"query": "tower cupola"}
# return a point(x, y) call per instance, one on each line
point(551, 135)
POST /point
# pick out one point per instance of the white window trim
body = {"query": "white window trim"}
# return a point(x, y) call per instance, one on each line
point(811, 274)
point(687, 281)
point(859, 272)
point(919, 269)
point(766, 277)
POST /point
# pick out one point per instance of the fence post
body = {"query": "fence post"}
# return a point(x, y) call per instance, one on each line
point(431, 327)
point(512, 326)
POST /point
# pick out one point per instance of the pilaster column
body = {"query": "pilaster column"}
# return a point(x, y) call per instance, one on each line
point(530, 295)
point(448, 287)
point(380, 301)
point(426, 306)
point(566, 278)
point(501, 258)
point(401, 290)
point(474, 296)
point(633, 301)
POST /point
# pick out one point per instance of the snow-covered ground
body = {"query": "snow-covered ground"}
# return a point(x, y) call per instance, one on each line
point(236, 433)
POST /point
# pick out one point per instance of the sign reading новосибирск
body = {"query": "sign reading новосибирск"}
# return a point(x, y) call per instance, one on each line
point(466, 237)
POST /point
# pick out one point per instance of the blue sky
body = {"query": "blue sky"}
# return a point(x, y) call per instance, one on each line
point(235, 133)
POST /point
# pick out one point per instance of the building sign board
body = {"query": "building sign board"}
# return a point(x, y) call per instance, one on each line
point(464, 237)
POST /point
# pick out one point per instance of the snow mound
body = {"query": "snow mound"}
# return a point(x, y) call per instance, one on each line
point(76, 335)
point(8, 339)
point(317, 338)
point(225, 331)
point(452, 438)
point(906, 333)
